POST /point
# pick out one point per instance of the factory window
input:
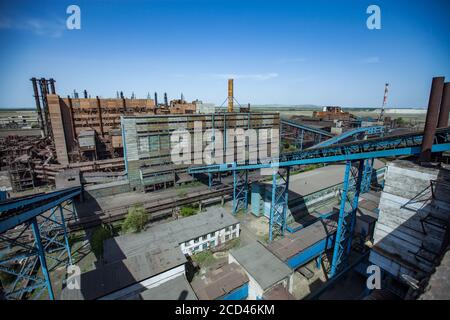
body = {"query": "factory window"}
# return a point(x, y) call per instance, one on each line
point(153, 142)
point(227, 237)
point(227, 229)
point(195, 249)
point(212, 243)
point(211, 235)
point(196, 240)
point(205, 246)
point(186, 243)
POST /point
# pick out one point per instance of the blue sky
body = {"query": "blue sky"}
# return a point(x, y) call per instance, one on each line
point(286, 52)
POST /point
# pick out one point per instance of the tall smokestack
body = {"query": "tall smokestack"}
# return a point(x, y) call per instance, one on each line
point(52, 85)
point(38, 106)
point(445, 107)
point(431, 121)
point(85, 94)
point(165, 99)
point(230, 95)
point(156, 99)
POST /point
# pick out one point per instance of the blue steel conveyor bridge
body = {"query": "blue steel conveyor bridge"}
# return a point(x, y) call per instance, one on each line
point(358, 157)
point(46, 215)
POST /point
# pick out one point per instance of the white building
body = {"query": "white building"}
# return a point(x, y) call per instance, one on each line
point(194, 234)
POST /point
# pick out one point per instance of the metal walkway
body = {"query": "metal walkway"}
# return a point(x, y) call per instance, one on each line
point(374, 130)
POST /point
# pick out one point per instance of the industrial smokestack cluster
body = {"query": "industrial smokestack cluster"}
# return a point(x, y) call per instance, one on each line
point(437, 115)
point(41, 88)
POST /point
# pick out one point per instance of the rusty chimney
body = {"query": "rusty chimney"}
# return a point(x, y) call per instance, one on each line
point(432, 118)
point(445, 107)
point(230, 95)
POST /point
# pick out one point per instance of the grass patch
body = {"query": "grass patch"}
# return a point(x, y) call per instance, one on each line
point(189, 210)
point(204, 258)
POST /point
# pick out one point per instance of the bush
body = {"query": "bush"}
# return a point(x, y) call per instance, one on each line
point(188, 210)
point(98, 236)
point(135, 220)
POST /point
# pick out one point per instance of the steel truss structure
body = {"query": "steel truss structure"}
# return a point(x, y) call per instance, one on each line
point(374, 130)
point(356, 181)
point(278, 208)
point(34, 237)
point(240, 191)
point(301, 129)
point(347, 215)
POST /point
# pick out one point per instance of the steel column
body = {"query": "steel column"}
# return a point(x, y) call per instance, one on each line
point(367, 175)
point(342, 224)
point(240, 191)
point(41, 254)
point(347, 218)
point(278, 208)
point(66, 239)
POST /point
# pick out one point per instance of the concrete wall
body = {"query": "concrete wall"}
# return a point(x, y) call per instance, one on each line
point(411, 226)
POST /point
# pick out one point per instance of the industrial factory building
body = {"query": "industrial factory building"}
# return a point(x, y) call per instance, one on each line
point(147, 142)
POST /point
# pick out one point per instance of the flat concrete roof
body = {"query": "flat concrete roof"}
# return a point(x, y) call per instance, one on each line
point(261, 264)
point(178, 231)
point(294, 243)
point(112, 277)
point(174, 289)
point(219, 282)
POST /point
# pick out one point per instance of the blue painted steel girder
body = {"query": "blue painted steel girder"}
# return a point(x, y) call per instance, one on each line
point(347, 217)
point(278, 207)
point(19, 211)
point(367, 130)
point(240, 191)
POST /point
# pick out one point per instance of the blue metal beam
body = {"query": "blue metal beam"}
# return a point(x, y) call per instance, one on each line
point(37, 208)
point(367, 130)
point(240, 191)
point(278, 208)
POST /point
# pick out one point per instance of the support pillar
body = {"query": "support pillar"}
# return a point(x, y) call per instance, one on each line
point(42, 260)
point(278, 208)
point(240, 190)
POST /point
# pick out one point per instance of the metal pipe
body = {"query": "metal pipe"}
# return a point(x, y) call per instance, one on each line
point(230, 95)
point(72, 121)
point(432, 118)
point(52, 85)
point(100, 116)
point(38, 106)
point(445, 107)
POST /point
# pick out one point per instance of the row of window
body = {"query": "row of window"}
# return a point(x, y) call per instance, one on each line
point(211, 235)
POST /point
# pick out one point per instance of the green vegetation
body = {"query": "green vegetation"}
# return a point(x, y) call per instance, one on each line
point(98, 236)
point(189, 210)
point(204, 258)
point(401, 122)
point(135, 220)
point(182, 190)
